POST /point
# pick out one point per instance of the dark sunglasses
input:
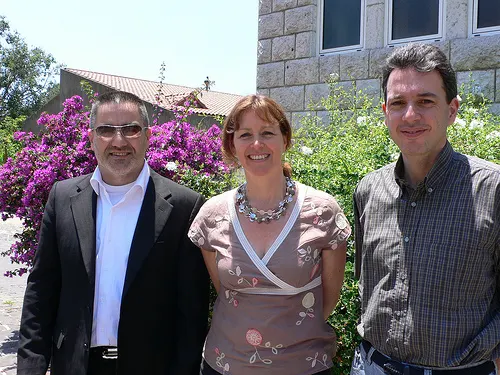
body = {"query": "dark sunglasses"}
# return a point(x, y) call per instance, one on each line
point(127, 131)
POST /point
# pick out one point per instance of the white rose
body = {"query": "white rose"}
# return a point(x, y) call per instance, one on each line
point(306, 150)
point(171, 166)
point(476, 124)
point(493, 134)
point(460, 121)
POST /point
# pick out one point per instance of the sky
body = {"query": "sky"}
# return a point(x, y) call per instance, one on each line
point(195, 38)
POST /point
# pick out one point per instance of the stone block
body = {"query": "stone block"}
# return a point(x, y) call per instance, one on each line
point(374, 35)
point(371, 88)
point(264, 92)
point(374, 2)
point(495, 109)
point(329, 67)
point(302, 71)
point(271, 25)
point(291, 98)
point(264, 51)
point(307, 2)
point(377, 61)
point(270, 75)
point(265, 6)
point(283, 4)
point(323, 118)
point(298, 118)
point(456, 19)
point(479, 82)
point(477, 53)
point(314, 94)
point(305, 44)
point(343, 91)
point(283, 48)
point(354, 65)
point(300, 19)
point(497, 94)
point(443, 46)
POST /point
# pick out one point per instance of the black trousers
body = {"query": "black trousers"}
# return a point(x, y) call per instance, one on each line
point(207, 370)
point(99, 365)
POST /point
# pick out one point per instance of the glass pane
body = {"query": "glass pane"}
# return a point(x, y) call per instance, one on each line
point(341, 23)
point(488, 13)
point(414, 18)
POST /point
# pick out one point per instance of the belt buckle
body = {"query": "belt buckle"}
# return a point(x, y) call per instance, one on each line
point(110, 353)
point(396, 368)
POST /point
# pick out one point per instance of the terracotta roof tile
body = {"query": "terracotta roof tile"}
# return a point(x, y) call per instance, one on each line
point(217, 103)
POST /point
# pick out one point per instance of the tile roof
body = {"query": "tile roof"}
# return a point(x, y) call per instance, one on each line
point(216, 103)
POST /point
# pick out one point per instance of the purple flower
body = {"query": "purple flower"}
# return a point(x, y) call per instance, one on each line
point(62, 151)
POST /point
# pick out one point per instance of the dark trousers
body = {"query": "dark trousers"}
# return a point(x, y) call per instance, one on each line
point(98, 365)
point(207, 370)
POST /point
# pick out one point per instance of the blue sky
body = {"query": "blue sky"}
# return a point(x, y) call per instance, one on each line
point(194, 38)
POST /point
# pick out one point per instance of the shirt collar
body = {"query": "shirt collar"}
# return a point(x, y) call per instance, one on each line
point(435, 175)
point(141, 182)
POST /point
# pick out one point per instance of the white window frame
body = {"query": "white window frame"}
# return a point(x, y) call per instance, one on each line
point(355, 47)
point(434, 37)
point(474, 30)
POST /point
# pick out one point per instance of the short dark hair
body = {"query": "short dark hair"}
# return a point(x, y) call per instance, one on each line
point(423, 58)
point(119, 97)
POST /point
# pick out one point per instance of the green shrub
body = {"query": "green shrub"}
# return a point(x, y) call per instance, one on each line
point(8, 145)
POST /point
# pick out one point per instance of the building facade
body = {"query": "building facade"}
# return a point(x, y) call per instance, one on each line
point(302, 43)
point(208, 107)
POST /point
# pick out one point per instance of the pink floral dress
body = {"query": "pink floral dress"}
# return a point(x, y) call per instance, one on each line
point(268, 316)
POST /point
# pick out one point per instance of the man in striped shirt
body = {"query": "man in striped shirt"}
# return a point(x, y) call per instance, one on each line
point(427, 231)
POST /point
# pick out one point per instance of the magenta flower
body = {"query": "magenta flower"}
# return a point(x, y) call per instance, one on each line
point(62, 151)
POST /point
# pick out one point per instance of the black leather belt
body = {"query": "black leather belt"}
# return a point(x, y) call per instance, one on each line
point(104, 352)
point(392, 367)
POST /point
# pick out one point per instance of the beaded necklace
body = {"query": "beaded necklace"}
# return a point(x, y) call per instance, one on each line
point(261, 216)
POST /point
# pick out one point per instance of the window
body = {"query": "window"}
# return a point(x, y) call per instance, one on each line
point(414, 20)
point(341, 26)
point(485, 16)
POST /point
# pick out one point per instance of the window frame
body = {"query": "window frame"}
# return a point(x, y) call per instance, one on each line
point(433, 37)
point(478, 31)
point(354, 47)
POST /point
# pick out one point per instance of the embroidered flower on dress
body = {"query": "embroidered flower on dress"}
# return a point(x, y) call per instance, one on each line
point(219, 361)
point(315, 360)
point(307, 302)
point(341, 221)
point(318, 211)
point(231, 297)
point(254, 338)
point(196, 237)
point(241, 280)
point(308, 255)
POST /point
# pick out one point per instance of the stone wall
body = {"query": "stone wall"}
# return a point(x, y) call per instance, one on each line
point(291, 70)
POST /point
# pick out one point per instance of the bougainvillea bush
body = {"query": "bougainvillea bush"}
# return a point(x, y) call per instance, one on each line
point(178, 150)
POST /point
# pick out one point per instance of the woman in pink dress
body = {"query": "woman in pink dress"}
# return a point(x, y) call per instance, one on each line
point(275, 250)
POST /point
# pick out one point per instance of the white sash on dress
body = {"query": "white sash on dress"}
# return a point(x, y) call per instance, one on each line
point(283, 288)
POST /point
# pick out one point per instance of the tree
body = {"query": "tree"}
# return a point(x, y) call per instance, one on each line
point(27, 75)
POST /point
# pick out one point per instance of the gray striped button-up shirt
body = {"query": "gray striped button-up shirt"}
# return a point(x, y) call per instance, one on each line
point(429, 261)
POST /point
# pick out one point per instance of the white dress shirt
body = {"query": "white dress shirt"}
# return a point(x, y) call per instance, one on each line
point(118, 209)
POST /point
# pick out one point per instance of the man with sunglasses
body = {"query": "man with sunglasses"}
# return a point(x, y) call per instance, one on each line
point(116, 287)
